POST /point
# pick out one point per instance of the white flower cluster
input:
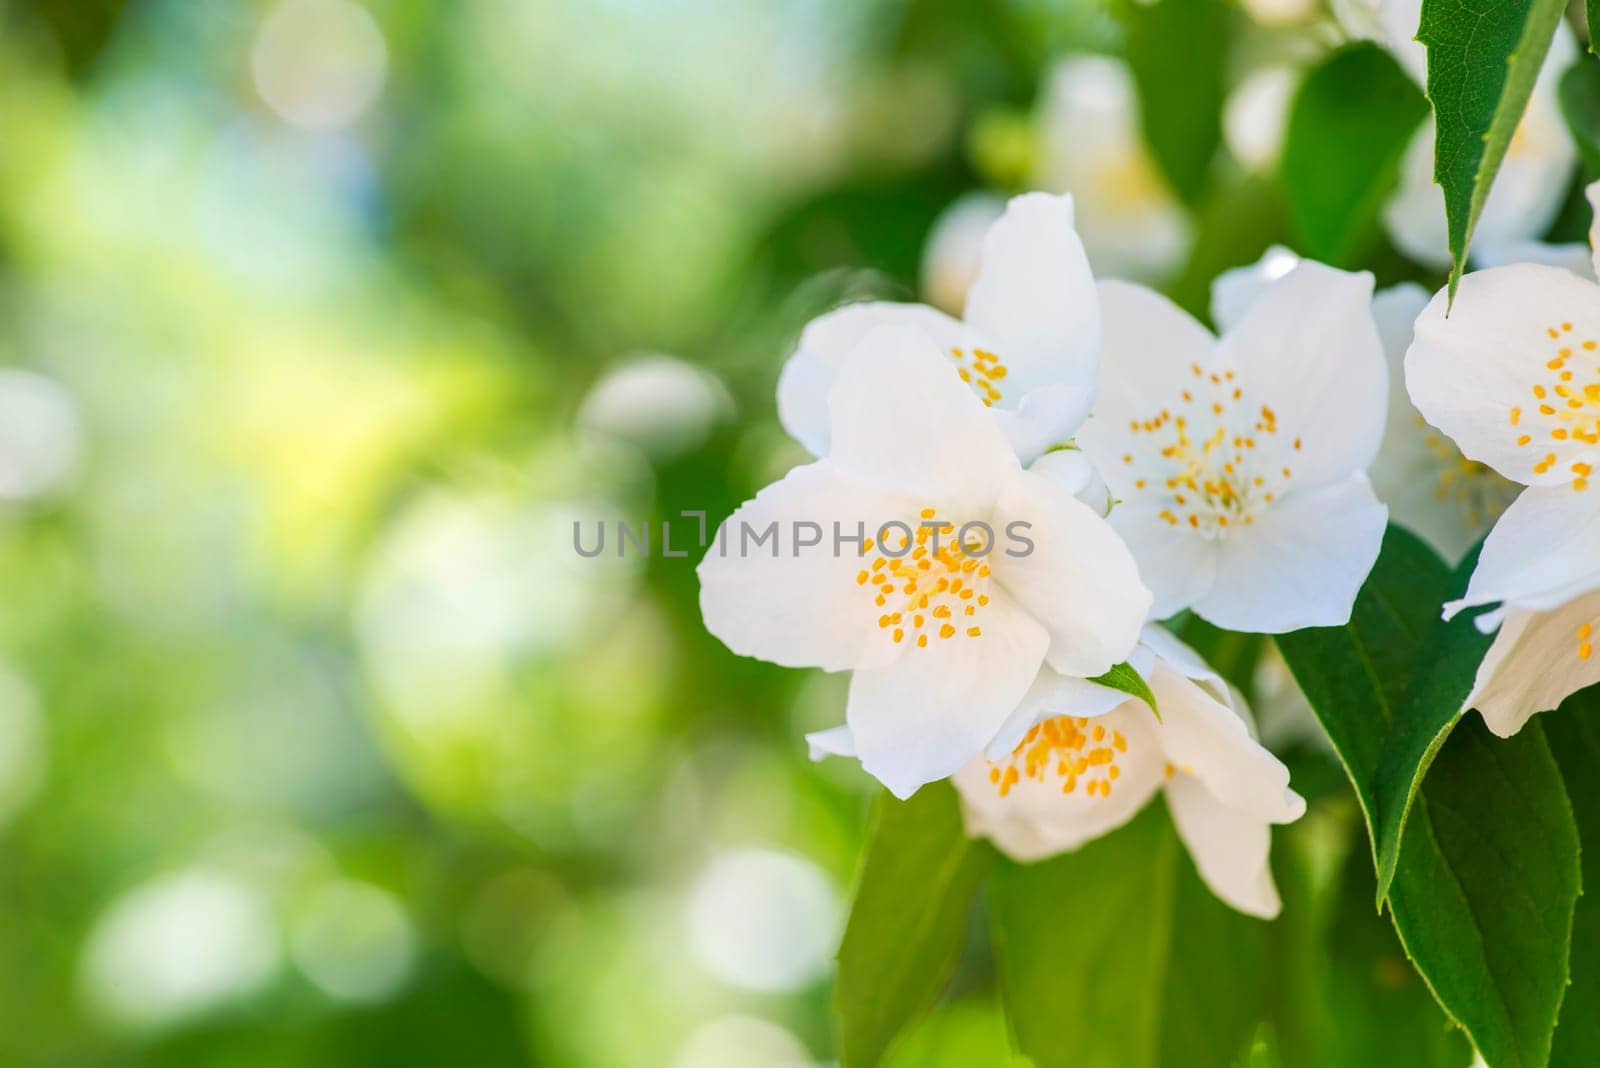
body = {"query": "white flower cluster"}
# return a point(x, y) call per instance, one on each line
point(1157, 468)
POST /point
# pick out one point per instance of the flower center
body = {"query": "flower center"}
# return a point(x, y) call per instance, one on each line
point(1202, 460)
point(934, 581)
point(1564, 411)
point(982, 370)
point(1066, 748)
point(1475, 488)
point(1585, 646)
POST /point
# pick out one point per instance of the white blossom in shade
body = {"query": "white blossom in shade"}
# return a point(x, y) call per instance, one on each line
point(944, 626)
point(662, 405)
point(1533, 179)
point(180, 945)
point(1240, 463)
point(1091, 146)
point(1511, 374)
point(1429, 487)
point(319, 64)
point(40, 435)
point(954, 250)
point(1257, 115)
point(761, 919)
point(1028, 347)
point(1080, 760)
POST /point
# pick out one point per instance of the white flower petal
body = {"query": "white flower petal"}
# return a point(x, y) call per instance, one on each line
point(1204, 738)
point(1230, 847)
point(835, 741)
point(1178, 565)
point(1149, 345)
point(1073, 471)
point(1592, 193)
point(1430, 488)
point(1052, 695)
point(1540, 554)
point(1535, 663)
point(832, 340)
point(1035, 296)
point(955, 247)
point(1489, 375)
point(1308, 348)
point(1078, 578)
point(923, 716)
point(1575, 256)
point(1045, 417)
point(1300, 564)
point(1413, 217)
point(902, 419)
point(1234, 290)
point(795, 607)
point(1176, 655)
point(1036, 819)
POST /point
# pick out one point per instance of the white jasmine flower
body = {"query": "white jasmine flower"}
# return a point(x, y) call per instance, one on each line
point(1430, 488)
point(951, 258)
point(1081, 760)
point(1091, 146)
point(944, 629)
point(1534, 176)
point(1241, 462)
point(1512, 375)
point(1029, 346)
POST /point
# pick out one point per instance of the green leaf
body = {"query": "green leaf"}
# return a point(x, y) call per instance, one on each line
point(1579, 92)
point(1340, 991)
point(1178, 52)
point(1111, 955)
point(1484, 892)
point(908, 920)
point(1435, 697)
point(1482, 63)
point(1355, 676)
point(1123, 677)
point(1348, 129)
point(1591, 10)
point(1486, 878)
point(1574, 734)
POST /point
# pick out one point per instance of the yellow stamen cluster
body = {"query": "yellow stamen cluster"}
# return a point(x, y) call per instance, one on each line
point(932, 585)
point(1585, 646)
point(1069, 748)
point(1207, 468)
point(982, 370)
point(1563, 412)
point(1480, 493)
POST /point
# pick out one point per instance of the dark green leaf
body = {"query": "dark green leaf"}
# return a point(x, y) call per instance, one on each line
point(1110, 955)
point(1123, 677)
point(1485, 888)
point(1434, 700)
point(1178, 51)
point(1355, 676)
point(1591, 10)
point(1574, 733)
point(1482, 63)
point(1486, 876)
point(908, 920)
point(1580, 107)
point(1340, 992)
point(1348, 129)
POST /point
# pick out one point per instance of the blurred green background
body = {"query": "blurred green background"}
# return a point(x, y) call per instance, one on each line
point(320, 324)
